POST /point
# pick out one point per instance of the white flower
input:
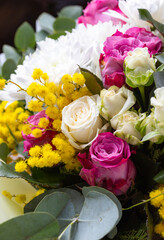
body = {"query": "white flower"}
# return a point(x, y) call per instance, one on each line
point(125, 126)
point(81, 121)
point(58, 57)
point(139, 66)
point(115, 101)
point(158, 103)
point(130, 9)
point(14, 186)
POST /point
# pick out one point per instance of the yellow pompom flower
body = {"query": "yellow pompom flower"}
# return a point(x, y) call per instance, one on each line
point(42, 91)
point(35, 106)
point(46, 148)
point(52, 87)
point(161, 212)
point(50, 99)
point(35, 151)
point(2, 83)
point(43, 123)
point(20, 166)
point(37, 133)
point(57, 125)
point(37, 73)
point(26, 129)
point(66, 78)
point(159, 228)
point(78, 78)
point(23, 116)
point(32, 161)
point(62, 102)
point(68, 88)
point(45, 76)
point(52, 112)
point(33, 88)
point(156, 202)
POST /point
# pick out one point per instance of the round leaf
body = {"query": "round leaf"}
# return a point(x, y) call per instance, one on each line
point(40, 36)
point(8, 68)
point(71, 11)
point(53, 203)
point(24, 37)
point(31, 226)
point(46, 21)
point(98, 217)
point(4, 151)
point(64, 24)
point(11, 53)
point(57, 35)
point(159, 178)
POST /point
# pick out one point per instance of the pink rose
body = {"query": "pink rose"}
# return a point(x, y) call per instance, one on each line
point(108, 164)
point(94, 12)
point(47, 135)
point(116, 49)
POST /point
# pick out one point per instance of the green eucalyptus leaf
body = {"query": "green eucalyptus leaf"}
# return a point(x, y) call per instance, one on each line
point(8, 68)
point(145, 15)
point(160, 68)
point(73, 12)
point(97, 218)
point(7, 171)
point(46, 21)
point(31, 226)
point(159, 79)
point(93, 83)
point(20, 149)
point(4, 151)
point(11, 53)
point(53, 203)
point(24, 37)
point(86, 190)
point(64, 24)
point(56, 35)
point(159, 178)
point(160, 57)
point(40, 36)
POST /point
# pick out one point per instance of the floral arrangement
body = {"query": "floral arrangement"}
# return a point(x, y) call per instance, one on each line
point(82, 125)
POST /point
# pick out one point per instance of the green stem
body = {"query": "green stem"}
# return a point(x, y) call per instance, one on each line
point(142, 92)
point(143, 202)
point(74, 220)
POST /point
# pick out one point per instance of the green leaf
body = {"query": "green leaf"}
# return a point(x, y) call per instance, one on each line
point(56, 35)
point(15, 139)
point(97, 218)
point(31, 226)
point(11, 53)
point(64, 24)
point(160, 68)
point(7, 171)
point(4, 151)
point(24, 37)
point(53, 203)
point(159, 178)
point(93, 83)
point(159, 79)
point(20, 149)
point(145, 15)
point(160, 57)
point(73, 12)
point(46, 22)
point(8, 68)
point(150, 135)
point(40, 36)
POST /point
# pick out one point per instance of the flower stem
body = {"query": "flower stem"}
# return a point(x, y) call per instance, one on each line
point(142, 92)
point(143, 202)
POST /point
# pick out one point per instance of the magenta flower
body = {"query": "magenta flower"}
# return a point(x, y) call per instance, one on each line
point(94, 12)
point(116, 49)
point(47, 135)
point(108, 164)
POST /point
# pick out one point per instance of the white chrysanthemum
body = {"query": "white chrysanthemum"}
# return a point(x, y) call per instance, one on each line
point(58, 57)
point(130, 9)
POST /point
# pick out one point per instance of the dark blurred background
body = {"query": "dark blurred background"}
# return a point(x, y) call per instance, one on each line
point(14, 12)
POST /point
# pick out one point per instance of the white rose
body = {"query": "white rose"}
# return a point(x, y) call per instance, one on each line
point(126, 127)
point(158, 103)
point(81, 121)
point(15, 186)
point(115, 101)
point(139, 66)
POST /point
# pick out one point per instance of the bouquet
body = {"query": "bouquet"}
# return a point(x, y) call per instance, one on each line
point(82, 125)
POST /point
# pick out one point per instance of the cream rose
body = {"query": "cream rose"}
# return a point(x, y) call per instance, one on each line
point(81, 121)
point(115, 101)
point(158, 103)
point(126, 127)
